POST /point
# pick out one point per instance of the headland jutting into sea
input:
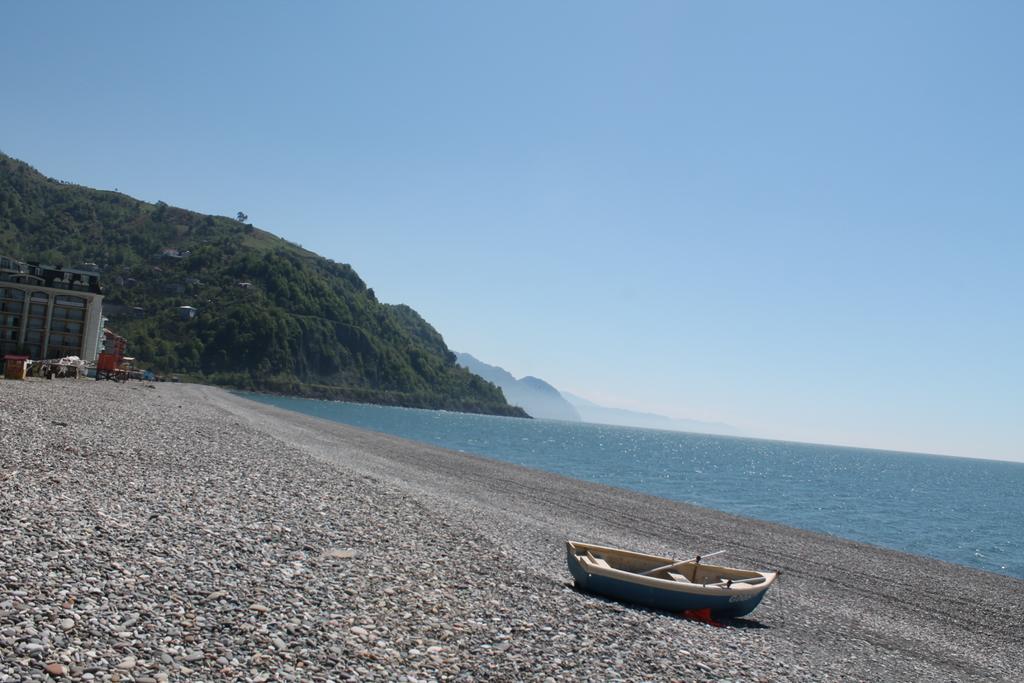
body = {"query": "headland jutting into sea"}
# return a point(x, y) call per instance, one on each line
point(154, 532)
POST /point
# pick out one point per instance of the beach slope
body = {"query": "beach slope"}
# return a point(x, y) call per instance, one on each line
point(178, 532)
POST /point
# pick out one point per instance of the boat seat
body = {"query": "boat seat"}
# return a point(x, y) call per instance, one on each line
point(600, 562)
point(678, 577)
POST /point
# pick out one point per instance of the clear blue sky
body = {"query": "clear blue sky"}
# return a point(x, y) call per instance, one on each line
point(802, 219)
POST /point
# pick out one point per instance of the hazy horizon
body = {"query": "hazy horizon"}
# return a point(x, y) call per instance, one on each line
point(570, 396)
point(802, 220)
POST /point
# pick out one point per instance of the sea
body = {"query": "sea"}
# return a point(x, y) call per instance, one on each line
point(963, 510)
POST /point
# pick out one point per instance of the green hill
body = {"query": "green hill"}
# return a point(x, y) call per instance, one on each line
point(271, 315)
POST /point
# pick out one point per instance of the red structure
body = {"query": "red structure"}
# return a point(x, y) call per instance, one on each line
point(14, 366)
point(110, 364)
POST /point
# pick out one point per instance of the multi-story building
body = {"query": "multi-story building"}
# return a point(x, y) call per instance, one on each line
point(50, 312)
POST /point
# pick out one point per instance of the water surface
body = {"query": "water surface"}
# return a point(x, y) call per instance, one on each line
point(962, 510)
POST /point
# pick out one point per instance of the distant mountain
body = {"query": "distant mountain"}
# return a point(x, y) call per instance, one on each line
point(535, 396)
point(591, 412)
point(542, 400)
point(272, 316)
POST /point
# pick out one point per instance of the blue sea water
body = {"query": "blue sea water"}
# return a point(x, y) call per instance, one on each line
point(962, 510)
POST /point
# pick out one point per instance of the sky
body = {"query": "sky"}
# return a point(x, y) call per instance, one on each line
point(802, 219)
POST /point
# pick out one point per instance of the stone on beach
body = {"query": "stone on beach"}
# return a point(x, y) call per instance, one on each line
point(56, 670)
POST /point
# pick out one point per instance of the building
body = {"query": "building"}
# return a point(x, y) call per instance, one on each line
point(187, 312)
point(49, 311)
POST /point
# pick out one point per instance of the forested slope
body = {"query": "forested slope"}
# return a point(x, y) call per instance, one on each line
point(271, 315)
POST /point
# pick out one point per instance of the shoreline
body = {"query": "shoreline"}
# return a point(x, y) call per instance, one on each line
point(847, 531)
point(166, 497)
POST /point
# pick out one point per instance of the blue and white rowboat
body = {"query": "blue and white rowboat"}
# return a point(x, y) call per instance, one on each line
point(664, 583)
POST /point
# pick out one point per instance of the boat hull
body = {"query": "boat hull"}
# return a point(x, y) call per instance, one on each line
point(638, 593)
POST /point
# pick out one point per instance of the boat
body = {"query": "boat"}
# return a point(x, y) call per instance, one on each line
point(664, 583)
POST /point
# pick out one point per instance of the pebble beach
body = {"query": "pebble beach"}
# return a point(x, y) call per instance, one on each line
point(175, 532)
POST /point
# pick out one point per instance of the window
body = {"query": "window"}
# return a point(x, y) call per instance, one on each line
point(75, 301)
point(12, 293)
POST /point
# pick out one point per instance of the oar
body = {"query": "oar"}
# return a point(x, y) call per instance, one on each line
point(676, 564)
point(733, 582)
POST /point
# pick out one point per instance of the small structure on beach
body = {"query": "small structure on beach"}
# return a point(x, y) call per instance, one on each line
point(15, 366)
point(112, 363)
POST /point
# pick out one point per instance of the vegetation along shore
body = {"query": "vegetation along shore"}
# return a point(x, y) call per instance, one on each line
point(178, 532)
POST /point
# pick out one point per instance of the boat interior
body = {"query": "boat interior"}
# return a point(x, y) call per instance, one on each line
point(686, 571)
